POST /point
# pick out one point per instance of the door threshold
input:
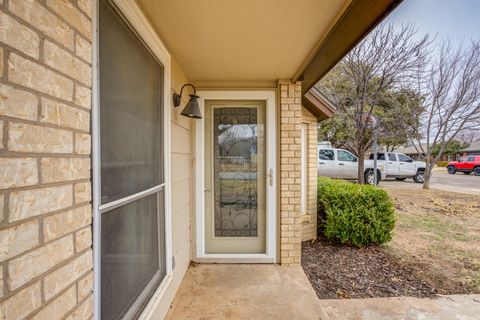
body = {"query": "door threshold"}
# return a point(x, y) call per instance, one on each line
point(236, 258)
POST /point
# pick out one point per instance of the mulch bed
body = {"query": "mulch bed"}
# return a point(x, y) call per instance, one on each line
point(339, 271)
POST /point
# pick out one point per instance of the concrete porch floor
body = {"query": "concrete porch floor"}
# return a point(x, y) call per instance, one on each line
point(254, 291)
point(244, 291)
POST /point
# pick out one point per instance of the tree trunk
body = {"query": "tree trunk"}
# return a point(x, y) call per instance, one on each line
point(361, 166)
point(427, 175)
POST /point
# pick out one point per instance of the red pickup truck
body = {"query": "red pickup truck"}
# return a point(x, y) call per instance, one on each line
point(466, 165)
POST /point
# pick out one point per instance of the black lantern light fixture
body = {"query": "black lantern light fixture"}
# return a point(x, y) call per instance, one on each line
point(192, 109)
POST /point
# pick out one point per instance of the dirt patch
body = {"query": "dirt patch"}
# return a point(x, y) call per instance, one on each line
point(339, 271)
point(435, 201)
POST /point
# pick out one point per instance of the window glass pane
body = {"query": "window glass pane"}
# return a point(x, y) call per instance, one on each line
point(380, 156)
point(130, 110)
point(239, 170)
point(403, 158)
point(391, 157)
point(132, 255)
point(326, 154)
point(345, 156)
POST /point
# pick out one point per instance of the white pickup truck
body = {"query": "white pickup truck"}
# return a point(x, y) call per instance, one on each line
point(341, 164)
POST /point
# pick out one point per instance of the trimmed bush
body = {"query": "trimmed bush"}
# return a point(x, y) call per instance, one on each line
point(354, 214)
point(442, 164)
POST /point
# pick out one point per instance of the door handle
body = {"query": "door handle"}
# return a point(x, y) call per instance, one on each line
point(270, 177)
point(321, 163)
point(390, 163)
point(341, 164)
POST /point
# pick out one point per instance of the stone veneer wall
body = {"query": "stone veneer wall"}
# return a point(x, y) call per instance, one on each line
point(45, 191)
point(290, 170)
point(309, 218)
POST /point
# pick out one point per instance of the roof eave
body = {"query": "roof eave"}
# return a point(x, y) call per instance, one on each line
point(358, 19)
point(318, 105)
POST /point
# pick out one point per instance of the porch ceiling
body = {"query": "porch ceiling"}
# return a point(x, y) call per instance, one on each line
point(252, 43)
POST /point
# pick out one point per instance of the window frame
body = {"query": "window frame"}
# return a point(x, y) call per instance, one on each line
point(304, 168)
point(140, 25)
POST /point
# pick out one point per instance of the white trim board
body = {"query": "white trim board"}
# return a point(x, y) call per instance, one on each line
point(138, 21)
point(269, 96)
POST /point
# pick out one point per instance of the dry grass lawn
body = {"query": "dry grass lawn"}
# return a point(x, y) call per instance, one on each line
point(438, 235)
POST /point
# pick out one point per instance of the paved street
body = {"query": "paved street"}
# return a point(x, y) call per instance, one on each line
point(441, 180)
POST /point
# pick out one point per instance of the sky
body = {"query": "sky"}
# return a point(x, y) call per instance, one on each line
point(456, 20)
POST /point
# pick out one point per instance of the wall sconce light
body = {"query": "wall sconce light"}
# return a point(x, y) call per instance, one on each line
point(192, 109)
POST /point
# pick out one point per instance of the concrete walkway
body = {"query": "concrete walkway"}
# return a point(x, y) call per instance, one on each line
point(456, 307)
point(248, 291)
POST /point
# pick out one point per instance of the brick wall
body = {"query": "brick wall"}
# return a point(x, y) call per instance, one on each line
point(45, 190)
point(309, 218)
point(290, 173)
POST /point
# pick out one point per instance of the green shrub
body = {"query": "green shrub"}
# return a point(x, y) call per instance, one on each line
point(442, 164)
point(354, 214)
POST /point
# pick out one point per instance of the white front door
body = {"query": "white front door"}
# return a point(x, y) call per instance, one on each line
point(236, 179)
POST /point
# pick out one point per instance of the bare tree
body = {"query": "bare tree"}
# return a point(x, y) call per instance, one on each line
point(385, 59)
point(451, 90)
point(469, 136)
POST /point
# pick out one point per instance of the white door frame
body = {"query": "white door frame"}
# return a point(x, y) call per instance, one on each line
point(271, 206)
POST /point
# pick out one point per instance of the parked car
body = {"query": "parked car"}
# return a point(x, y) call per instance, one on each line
point(395, 165)
point(342, 164)
point(466, 165)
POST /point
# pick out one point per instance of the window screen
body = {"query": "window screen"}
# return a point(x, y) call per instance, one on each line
point(130, 95)
point(131, 138)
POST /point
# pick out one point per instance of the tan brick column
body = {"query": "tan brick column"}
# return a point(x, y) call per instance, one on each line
point(45, 182)
point(290, 170)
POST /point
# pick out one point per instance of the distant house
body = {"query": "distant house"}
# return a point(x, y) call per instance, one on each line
point(472, 150)
point(417, 154)
point(412, 152)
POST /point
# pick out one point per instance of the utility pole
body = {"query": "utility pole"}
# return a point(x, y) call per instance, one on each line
point(372, 123)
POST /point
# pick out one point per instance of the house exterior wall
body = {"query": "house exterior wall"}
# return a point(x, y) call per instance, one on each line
point(182, 191)
point(45, 186)
point(45, 161)
point(45, 165)
point(309, 218)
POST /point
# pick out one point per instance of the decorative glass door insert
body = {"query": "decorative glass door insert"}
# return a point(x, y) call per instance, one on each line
point(235, 176)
